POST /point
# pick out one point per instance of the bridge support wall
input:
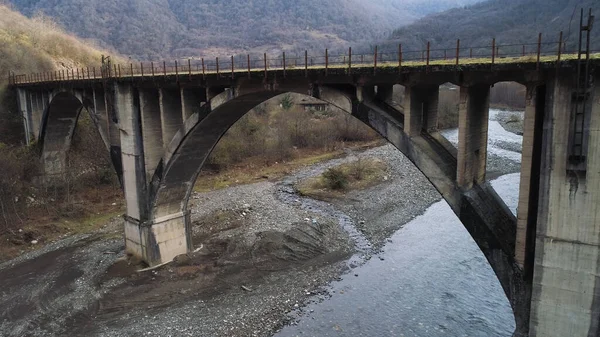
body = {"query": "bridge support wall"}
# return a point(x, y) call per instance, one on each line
point(473, 134)
point(152, 129)
point(566, 283)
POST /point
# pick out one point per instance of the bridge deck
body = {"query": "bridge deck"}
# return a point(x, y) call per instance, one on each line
point(347, 67)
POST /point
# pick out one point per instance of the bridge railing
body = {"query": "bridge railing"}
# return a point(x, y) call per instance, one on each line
point(389, 56)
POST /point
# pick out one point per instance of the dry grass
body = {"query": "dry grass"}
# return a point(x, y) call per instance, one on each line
point(356, 175)
point(252, 170)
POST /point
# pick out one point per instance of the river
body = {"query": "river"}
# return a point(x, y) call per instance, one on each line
point(431, 279)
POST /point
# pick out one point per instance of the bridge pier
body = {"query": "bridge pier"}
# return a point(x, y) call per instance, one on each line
point(171, 114)
point(420, 109)
point(473, 118)
point(566, 282)
point(152, 130)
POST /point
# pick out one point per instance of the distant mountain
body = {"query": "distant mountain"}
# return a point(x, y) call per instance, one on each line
point(509, 21)
point(148, 29)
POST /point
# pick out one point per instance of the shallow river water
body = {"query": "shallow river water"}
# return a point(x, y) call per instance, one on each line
point(430, 280)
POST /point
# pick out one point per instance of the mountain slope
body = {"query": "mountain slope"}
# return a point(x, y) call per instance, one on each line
point(147, 29)
point(28, 46)
point(509, 21)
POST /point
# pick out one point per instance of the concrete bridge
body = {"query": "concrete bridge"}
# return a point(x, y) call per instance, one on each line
point(161, 127)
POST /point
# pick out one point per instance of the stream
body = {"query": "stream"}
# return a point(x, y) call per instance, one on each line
point(430, 279)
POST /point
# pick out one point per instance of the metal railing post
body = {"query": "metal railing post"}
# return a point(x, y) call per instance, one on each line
point(457, 50)
point(249, 73)
point(560, 42)
point(539, 51)
point(326, 61)
point(284, 73)
point(493, 50)
point(349, 60)
point(375, 61)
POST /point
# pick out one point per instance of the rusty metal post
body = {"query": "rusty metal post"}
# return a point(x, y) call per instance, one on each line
point(306, 63)
point(218, 70)
point(493, 50)
point(326, 61)
point(284, 73)
point(400, 57)
point(119, 70)
point(131, 68)
point(375, 61)
point(560, 42)
point(152, 68)
point(265, 59)
point(190, 69)
point(94, 72)
point(88, 72)
point(428, 51)
point(232, 67)
point(142, 69)
point(249, 66)
point(176, 72)
point(349, 60)
point(457, 50)
point(203, 69)
point(539, 51)
point(165, 68)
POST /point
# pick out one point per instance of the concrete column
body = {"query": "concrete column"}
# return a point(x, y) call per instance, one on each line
point(529, 184)
point(431, 99)
point(152, 129)
point(30, 115)
point(566, 282)
point(472, 134)
point(22, 106)
point(36, 114)
point(132, 151)
point(170, 114)
point(100, 115)
point(420, 109)
point(385, 92)
point(191, 100)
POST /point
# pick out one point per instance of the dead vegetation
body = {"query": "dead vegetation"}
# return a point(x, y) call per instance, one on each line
point(336, 181)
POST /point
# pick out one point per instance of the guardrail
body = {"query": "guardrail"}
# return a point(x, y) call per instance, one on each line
point(493, 53)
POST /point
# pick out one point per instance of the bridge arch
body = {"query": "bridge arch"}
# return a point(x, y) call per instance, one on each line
point(59, 122)
point(58, 126)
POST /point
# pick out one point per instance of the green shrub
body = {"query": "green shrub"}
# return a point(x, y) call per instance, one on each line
point(335, 179)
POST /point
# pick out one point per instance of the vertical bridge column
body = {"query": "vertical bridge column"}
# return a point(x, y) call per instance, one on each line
point(170, 114)
point(152, 130)
point(420, 109)
point(566, 281)
point(155, 238)
point(191, 99)
point(473, 134)
point(530, 178)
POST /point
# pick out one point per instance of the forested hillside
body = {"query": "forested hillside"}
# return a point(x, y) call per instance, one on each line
point(149, 29)
point(34, 45)
point(509, 21)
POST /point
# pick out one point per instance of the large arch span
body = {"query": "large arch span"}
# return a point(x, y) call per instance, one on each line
point(173, 180)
